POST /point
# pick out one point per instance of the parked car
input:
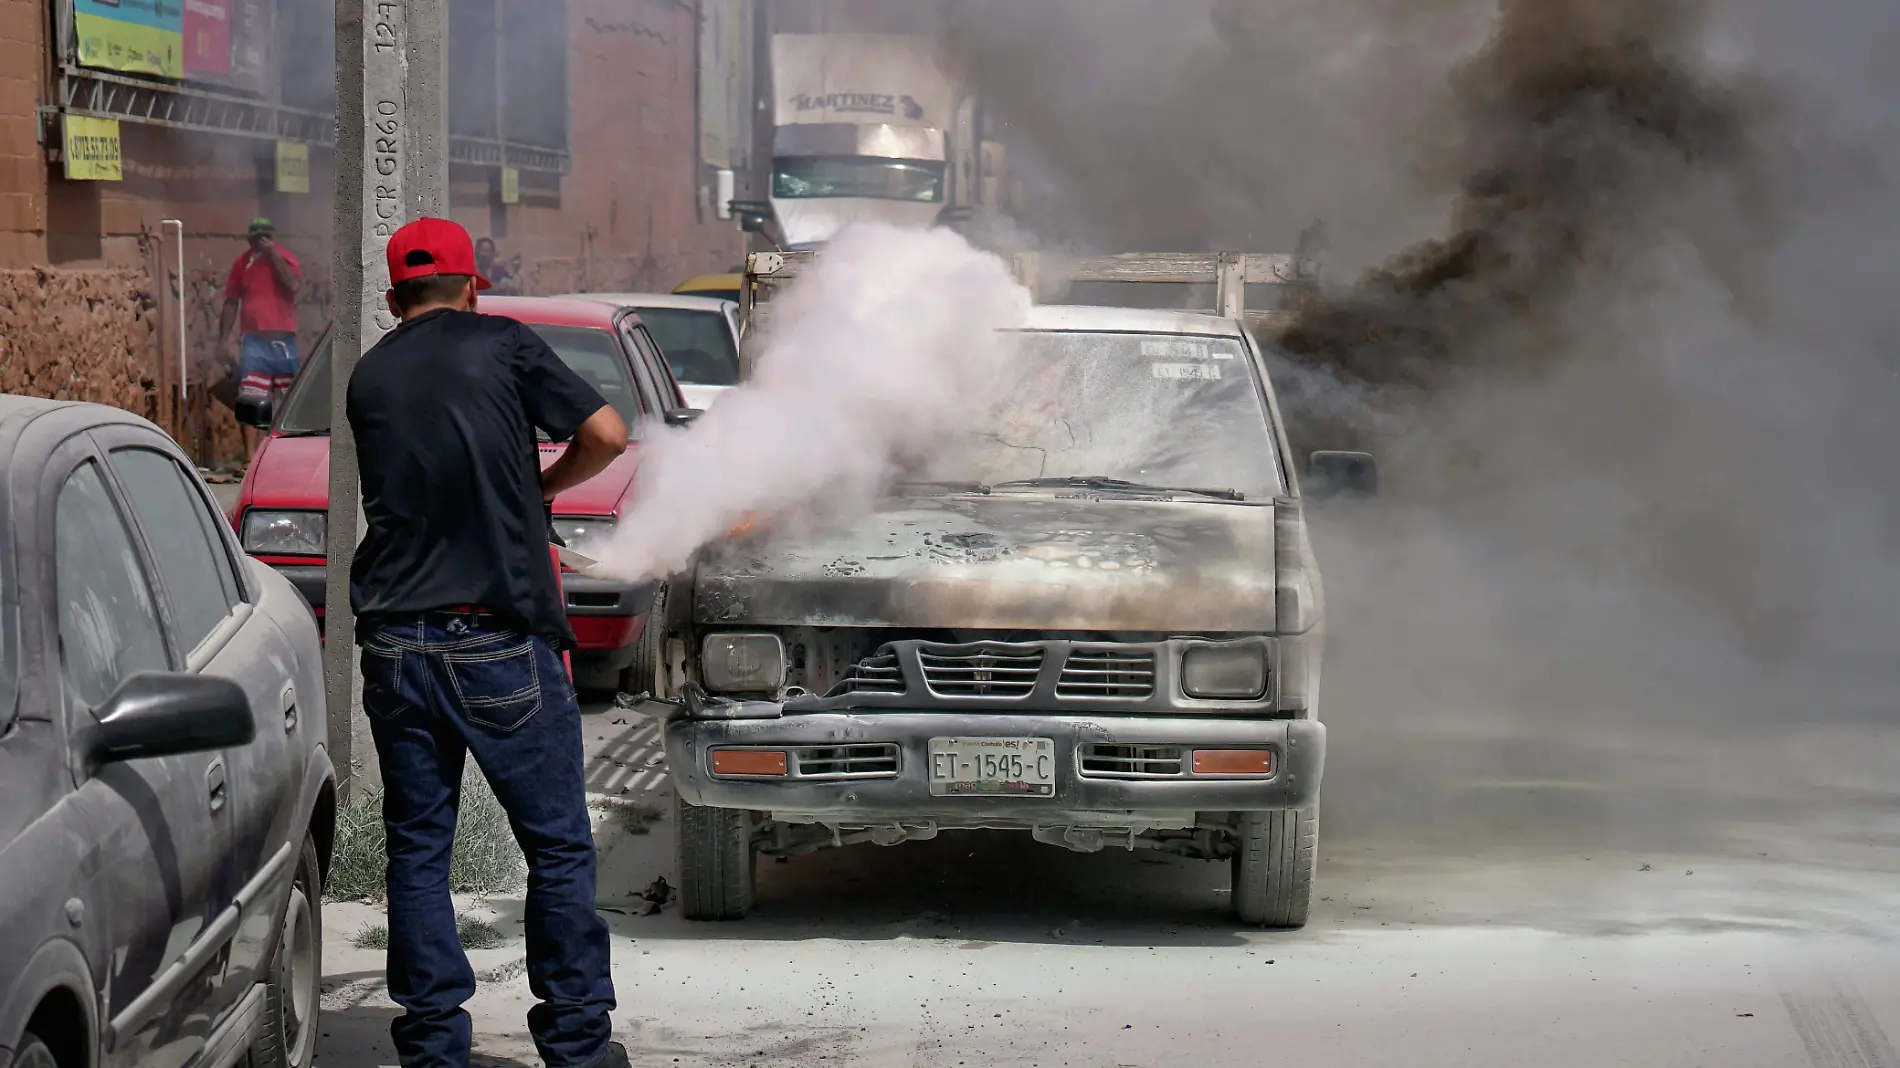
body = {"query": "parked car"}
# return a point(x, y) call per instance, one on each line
point(699, 337)
point(167, 801)
point(281, 512)
point(716, 286)
point(1096, 619)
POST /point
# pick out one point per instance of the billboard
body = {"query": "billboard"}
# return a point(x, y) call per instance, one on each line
point(227, 42)
point(135, 36)
point(208, 38)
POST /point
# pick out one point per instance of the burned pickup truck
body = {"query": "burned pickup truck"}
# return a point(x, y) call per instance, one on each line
point(1097, 621)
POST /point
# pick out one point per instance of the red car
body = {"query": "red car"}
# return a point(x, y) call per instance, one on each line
point(282, 511)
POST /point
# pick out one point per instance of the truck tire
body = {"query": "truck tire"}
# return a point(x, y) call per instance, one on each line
point(649, 654)
point(717, 858)
point(1273, 867)
point(34, 1053)
point(293, 992)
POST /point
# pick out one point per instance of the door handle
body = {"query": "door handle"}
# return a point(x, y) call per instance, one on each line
point(215, 784)
point(290, 707)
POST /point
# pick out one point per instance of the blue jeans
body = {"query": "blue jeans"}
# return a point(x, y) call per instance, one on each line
point(437, 688)
point(268, 365)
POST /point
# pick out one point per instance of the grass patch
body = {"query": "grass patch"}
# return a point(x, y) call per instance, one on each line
point(633, 817)
point(475, 933)
point(375, 936)
point(485, 860)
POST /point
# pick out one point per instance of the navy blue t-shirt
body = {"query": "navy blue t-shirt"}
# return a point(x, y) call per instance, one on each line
point(445, 409)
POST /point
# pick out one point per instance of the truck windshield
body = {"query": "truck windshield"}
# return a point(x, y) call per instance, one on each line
point(1165, 410)
point(871, 178)
point(697, 344)
point(593, 354)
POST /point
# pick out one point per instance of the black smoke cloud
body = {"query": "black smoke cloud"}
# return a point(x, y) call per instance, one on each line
point(1611, 298)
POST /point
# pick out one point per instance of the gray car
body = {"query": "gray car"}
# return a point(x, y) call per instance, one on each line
point(167, 802)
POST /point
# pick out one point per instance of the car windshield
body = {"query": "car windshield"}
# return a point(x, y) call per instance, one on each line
point(1161, 410)
point(807, 177)
point(697, 344)
point(592, 354)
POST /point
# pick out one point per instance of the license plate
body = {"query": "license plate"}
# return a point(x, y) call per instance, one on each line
point(993, 767)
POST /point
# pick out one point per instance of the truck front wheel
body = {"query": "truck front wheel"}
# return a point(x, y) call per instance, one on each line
point(1273, 866)
point(647, 673)
point(717, 858)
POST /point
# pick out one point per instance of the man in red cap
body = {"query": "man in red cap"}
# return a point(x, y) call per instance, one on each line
point(462, 628)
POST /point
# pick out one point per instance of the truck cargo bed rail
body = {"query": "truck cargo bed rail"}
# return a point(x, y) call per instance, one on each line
point(1230, 273)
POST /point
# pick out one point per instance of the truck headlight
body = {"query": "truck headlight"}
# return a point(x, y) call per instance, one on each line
point(743, 663)
point(1225, 672)
point(584, 536)
point(286, 533)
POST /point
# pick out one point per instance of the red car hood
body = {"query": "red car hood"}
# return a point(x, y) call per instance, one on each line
point(294, 473)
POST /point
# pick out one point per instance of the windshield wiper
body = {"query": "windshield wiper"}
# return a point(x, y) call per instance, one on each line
point(944, 484)
point(302, 433)
point(1121, 485)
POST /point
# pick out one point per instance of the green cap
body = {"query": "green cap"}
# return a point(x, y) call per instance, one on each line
point(261, 225)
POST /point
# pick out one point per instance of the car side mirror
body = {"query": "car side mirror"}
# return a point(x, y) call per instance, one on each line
point(1342, 474)
point(752, 223)
point(254, 412)
point(156, 714)
point(683, 416)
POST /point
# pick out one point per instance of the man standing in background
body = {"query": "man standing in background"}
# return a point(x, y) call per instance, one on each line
point(261, 296)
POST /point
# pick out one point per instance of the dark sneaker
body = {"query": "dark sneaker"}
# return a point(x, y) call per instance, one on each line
point(614, 1056)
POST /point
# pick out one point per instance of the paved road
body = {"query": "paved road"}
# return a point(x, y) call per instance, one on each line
point(989, 950)
point(1556, 884)
point(226, 494)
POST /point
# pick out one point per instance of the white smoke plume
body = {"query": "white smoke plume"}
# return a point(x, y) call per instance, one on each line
point(888, 347)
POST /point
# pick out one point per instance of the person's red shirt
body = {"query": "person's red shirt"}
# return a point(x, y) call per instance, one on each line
point(268, 308)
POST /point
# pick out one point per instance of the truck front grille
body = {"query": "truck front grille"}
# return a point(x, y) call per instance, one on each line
point(873, 674)
point(980, 671)
point(1101, 761)
point(869, 761)
point(1108, 673)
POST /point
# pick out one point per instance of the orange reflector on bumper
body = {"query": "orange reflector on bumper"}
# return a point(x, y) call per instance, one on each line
point(748, 762)
point(1233, 762)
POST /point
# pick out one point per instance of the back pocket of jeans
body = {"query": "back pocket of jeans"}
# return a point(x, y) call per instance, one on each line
point(499, 689)
point(382, 682)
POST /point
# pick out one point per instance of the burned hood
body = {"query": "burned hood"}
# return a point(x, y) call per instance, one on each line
point(1069, 562)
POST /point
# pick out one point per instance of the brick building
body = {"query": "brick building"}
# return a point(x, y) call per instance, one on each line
point(585, 136)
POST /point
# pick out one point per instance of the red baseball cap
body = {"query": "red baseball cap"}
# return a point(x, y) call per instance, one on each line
point(429, 247)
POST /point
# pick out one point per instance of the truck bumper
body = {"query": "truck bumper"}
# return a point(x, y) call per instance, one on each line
point(1298, 746)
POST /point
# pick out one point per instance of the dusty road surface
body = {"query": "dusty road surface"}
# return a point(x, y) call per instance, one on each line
point(990, 950)
point(1494, 890)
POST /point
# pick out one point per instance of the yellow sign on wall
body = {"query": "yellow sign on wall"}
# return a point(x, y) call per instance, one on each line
point(92, 149)
point(293, 167)
point(510, 186)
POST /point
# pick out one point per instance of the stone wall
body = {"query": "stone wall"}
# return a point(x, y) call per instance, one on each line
point(88, 335)
point(94, 334)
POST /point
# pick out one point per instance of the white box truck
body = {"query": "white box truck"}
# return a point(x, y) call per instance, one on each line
point(866, 127)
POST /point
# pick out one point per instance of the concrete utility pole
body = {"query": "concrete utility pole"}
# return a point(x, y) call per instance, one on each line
point(391, 167)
